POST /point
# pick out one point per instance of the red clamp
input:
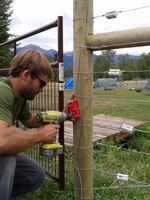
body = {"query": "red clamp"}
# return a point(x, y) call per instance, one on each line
point(73, 108)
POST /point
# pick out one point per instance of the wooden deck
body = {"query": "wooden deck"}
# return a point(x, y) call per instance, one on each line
point(103, 126)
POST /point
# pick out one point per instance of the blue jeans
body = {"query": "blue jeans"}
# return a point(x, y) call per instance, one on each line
point(18, 175)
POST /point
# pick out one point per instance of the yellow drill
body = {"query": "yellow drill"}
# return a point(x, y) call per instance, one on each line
point(71, 113)
point(52, 117)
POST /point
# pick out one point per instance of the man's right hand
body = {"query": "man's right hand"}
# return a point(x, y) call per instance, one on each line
point(48, 132)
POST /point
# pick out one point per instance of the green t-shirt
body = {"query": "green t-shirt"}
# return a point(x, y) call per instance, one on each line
point(12, 108)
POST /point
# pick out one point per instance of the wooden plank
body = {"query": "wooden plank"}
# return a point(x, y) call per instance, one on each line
point(103, 126)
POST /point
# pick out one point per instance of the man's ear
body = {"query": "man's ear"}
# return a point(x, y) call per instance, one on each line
point(24, 74)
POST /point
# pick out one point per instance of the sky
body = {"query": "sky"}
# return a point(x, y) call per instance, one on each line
point(29, 15)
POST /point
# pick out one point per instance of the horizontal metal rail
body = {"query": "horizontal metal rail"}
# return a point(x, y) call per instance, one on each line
point(34, 32)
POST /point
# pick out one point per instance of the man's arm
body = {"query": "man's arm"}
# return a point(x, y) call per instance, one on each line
point(31, 123)
point(14, 140)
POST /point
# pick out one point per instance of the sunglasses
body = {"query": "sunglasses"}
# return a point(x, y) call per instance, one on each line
point(42, 82)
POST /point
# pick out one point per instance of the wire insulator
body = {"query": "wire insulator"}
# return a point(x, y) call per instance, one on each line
point(111, 14)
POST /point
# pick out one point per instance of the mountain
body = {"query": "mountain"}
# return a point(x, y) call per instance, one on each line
point(50, 52)
point(117, 58)
point(68, 56)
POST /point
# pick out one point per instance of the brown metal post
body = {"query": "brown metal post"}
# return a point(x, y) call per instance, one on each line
point(61, 98)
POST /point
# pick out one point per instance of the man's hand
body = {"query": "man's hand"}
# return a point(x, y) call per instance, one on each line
point(48, 132)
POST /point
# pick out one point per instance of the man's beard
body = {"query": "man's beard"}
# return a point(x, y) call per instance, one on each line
point(28, 93)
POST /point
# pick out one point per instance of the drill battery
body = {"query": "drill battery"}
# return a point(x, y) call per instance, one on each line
point(51, 149)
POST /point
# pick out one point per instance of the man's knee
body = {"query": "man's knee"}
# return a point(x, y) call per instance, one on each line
point(38, 177)
point(28, 176)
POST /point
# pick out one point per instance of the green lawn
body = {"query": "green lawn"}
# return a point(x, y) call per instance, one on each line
point(122, 103)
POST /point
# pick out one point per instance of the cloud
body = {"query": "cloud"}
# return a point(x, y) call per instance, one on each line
point(29, 15)
point(15, 22)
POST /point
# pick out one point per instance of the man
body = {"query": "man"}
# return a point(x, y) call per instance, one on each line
point(29, 73)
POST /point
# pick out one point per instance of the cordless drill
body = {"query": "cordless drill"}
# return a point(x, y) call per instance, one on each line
point(54, 117)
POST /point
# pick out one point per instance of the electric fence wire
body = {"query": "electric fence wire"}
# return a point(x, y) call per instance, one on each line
point(118, 187)
point(126, 150)
point(113, 128)
point(134, 9)
point(143, 184)
point(100, 99)
point(111, 146)
point(110, 173)
point(113, 99)
point(76, 167)
point(112, 14)
point(107, 72)
point(120, 100)
point(115, 175)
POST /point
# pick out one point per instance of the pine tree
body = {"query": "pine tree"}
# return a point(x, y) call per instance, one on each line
point(5, 14)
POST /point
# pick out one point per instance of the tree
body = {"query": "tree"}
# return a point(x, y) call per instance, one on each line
point(143, 64)
point(129, 65)
point(103, 63)
point(69, 71)
point(5, 13)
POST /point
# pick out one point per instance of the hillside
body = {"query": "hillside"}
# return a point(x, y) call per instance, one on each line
point(68, 56)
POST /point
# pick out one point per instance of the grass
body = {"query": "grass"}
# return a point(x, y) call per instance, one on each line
point(132, 161)
point(109, 158)
point(122, 103)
